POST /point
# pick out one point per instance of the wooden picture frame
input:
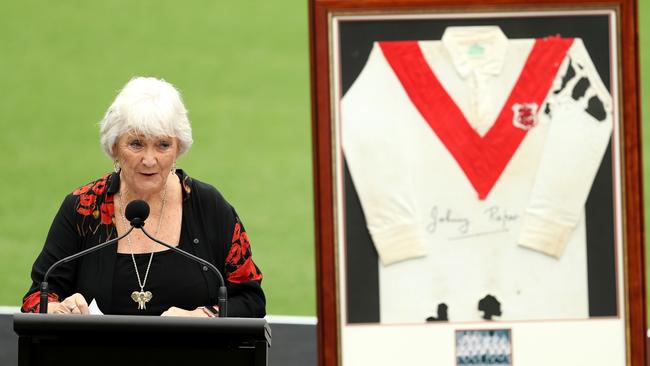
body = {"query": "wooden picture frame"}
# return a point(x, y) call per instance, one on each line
point(356, 321)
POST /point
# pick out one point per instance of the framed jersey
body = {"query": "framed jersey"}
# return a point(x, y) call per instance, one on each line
point(477, 181)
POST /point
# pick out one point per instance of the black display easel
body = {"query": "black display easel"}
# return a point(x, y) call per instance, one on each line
point(70, 340)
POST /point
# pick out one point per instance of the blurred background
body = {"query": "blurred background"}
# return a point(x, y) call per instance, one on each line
point(243, 70)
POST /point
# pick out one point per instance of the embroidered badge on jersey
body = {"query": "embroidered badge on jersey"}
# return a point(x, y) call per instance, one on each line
point(524, 115)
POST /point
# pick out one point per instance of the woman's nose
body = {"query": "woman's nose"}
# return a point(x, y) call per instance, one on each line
point(149, 158)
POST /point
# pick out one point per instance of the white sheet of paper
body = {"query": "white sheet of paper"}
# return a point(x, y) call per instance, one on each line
point(93, 309)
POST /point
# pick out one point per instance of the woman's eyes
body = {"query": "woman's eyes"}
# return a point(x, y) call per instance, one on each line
point(136, 144)
point(162, 144)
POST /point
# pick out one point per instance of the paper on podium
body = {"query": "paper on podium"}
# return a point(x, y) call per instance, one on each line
point(93, 309)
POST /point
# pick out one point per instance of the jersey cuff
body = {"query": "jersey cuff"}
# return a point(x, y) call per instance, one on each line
point(544, 236)
point(399, 243)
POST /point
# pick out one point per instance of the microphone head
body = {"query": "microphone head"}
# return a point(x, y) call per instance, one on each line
point(136, 212)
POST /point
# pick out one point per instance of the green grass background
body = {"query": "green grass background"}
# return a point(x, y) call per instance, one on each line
point(243, 68)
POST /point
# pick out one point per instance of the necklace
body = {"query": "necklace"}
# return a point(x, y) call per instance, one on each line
point(142, 296)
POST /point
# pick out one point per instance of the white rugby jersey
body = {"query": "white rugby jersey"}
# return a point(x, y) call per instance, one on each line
point(473, 157)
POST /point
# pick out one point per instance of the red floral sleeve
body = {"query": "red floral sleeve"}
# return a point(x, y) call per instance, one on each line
point(239, 262)
point(32, 303)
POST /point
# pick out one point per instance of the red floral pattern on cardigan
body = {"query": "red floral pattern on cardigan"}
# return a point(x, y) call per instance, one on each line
point(32, 303)
point(239, 262)
point(88, 195)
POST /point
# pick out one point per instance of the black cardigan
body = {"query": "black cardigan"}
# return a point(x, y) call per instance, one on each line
point(86, 218)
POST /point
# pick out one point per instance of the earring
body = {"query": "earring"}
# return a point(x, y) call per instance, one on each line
point(116, 166)
point(173, 170)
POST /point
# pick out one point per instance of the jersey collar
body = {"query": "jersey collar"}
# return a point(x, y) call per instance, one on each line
point(479, 49)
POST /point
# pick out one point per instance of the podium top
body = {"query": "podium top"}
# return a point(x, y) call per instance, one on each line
point(51, 325)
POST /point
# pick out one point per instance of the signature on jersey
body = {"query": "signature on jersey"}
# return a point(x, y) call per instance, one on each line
point(492, 220)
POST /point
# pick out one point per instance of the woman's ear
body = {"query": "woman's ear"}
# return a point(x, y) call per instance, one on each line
point(114, 150)
point(115, 157)
point(178, 148)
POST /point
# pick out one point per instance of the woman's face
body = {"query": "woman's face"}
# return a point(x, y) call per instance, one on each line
point(146, 161)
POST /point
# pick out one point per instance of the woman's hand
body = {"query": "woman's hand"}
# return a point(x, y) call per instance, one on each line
point(74, 304)
point(174, 311)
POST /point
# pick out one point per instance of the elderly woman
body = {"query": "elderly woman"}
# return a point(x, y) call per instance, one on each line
point(144, 131)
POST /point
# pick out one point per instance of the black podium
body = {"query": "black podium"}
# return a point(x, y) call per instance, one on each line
point(96, 340)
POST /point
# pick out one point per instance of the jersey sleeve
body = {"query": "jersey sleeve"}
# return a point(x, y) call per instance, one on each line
point(579, 110)
point(381, 173)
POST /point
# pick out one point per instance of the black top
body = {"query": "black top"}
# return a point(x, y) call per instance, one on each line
point(170, 275)
point(210, 230)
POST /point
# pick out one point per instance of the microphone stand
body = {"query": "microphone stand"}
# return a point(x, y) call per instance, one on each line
point(222, 294)
point(44, 285)
point(139, 213)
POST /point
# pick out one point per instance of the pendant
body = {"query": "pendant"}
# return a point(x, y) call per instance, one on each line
point(141, 298)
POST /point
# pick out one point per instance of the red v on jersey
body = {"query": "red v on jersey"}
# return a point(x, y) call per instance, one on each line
point(482, 159)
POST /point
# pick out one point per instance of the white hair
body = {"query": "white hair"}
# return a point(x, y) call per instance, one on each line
point(149, 106)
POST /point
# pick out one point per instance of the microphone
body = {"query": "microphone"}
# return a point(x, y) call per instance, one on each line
point(136, 216)
point(138, 213)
